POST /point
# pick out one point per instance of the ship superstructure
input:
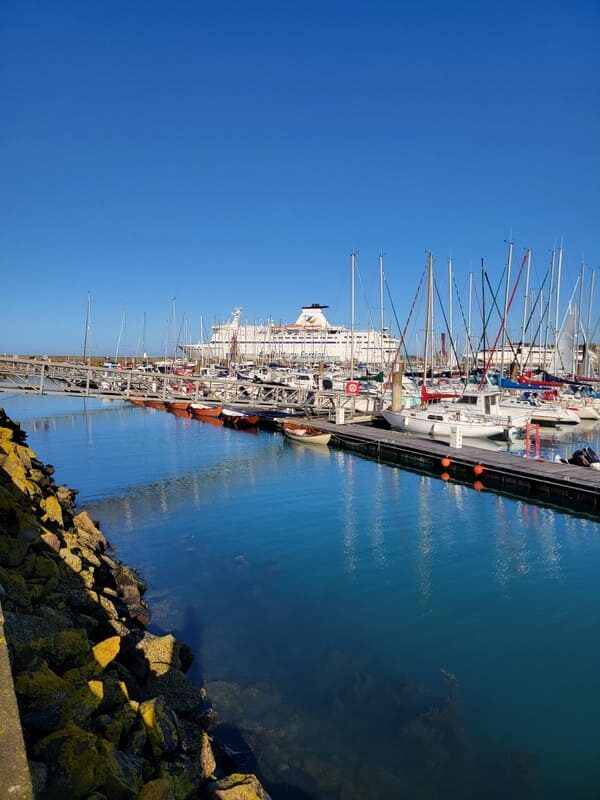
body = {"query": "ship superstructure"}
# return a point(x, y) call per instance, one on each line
point(310, 339)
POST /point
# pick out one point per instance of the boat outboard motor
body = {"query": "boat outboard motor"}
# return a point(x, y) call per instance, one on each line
point(585, 457)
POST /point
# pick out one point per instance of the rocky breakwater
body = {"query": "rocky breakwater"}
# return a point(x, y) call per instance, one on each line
point(106, 708)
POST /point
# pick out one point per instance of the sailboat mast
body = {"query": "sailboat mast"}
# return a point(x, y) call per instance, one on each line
point(549, 308)
point(469, 345)
point(504, 320)
point(352, 269)
point(450, 332)
point(525, 301)
point(556, 319)
point(578, 328)
point(86, 334)
point(427, 319)
point(382, 321)
point(588, 331)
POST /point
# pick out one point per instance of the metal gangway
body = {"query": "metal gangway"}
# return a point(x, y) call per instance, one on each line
point(46, 377)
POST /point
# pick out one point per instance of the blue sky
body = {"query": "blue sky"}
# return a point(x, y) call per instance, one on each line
point(234, 153)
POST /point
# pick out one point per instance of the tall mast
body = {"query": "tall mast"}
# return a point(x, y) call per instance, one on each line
point(556, 319)
point(427, 319)
point(549, 309)
point(504, 320)
point(577, 329)
point(525, 300)
point(352, 269)
point(483, 312)
point(588, 331)
point(86, 334)
point(382, 311)
point(144, 354)
point(450, 333)
point(469, 324)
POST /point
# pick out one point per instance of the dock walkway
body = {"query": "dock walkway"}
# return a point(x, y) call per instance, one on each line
point(575, 489)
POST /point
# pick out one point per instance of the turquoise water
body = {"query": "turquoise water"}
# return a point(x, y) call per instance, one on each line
point(324, 594)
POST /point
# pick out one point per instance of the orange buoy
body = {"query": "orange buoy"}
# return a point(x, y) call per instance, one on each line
point(445, 476)
point(445, 462)
point(478, 486)
point(478, 469)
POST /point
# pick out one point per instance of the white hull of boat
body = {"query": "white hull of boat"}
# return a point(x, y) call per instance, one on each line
point(432, 423)
point(301, 435)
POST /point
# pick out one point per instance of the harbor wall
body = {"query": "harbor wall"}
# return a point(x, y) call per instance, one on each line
point(105, 708)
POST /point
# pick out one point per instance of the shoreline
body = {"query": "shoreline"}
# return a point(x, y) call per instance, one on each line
point(105, 706)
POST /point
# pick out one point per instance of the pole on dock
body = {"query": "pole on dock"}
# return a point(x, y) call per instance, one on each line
point(397, 387)
point(42, 372)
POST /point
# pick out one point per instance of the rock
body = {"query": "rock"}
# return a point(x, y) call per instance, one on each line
point(207, 759)
point(52, 509)
point(159, 789)
point(88, 531)
point(161, 726)
point(71, 560)
point(238, 787)
point(63, 650)
point(126, 576)
point(40, 685)
point(160, 652)
point(184, 776)
point(52, 540)
point(179, 692)
point(81, 763)
point(12, 551)
point(104, 652)
point(66, 497)
point(18, 597)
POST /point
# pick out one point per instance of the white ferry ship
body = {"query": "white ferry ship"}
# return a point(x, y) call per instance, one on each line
point(310, 339)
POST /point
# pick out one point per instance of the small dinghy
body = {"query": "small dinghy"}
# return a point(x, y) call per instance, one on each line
point(201, 411)
point(239, 419)
point(305, 433)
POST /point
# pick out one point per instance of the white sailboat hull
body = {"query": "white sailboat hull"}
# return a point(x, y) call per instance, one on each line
point(436, 422)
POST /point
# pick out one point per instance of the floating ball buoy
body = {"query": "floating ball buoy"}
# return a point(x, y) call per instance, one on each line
point(478, 469)
point(478, 486)
point(445, 476)
point(445, 462)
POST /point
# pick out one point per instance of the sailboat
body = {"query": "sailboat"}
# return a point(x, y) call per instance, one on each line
point(474, 415)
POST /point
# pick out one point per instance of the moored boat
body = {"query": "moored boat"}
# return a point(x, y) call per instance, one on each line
point(202, 411)
point(160, 405)
point(239, 419)
point(305, 433)
point(178, 406)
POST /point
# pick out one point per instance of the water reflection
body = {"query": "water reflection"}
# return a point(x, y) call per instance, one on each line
point(424, 538)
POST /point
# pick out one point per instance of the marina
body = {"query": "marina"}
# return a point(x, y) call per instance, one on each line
point(348, 584)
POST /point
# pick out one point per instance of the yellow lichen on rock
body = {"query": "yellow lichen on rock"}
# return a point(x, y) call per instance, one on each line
point(52, 510)
point(97, 689)
point(107, 650)
point(238, 787)
point(6, 433)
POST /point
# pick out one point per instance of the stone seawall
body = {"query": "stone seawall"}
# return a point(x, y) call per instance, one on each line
point(105, 706)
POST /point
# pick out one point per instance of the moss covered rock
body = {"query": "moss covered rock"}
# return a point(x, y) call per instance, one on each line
point(106, 651)
point(238, 787)
point(161, 726)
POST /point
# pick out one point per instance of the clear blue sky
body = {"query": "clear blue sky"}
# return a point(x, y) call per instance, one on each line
point(234, 153)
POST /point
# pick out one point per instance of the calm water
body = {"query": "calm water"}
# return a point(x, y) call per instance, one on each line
point(324, 594)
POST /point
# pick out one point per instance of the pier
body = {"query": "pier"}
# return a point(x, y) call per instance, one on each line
point(57, 378)
point(572, 488)
point(575, 489)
